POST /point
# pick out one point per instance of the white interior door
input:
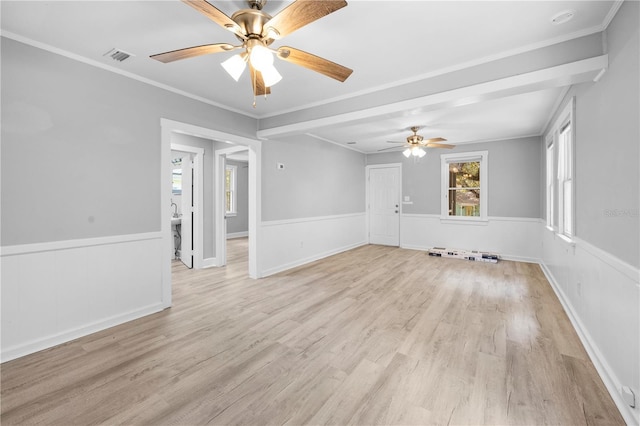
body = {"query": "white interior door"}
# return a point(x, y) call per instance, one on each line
point(384, 205)
point(186, 228)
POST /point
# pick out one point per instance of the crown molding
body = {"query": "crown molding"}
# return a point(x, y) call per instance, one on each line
point(94, 63)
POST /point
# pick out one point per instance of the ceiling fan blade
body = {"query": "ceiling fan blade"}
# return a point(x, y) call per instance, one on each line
point(257, 82)
point(191, 52)
point(298, 14)
point(434, 140)
point(440, 145)
point(315, 63)
point(216, 15)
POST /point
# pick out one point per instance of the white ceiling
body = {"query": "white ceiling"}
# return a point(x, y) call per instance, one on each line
point(386, 43)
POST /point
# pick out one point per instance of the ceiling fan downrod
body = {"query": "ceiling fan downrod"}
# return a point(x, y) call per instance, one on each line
point(256, 4)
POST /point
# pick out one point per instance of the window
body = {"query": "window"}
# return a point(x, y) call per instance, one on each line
point(464, 186)
point(559, 190)
point(565, 181)
point(230, 189)
point(550, 183)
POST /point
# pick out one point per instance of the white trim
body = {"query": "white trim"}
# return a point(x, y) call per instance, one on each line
point(556, 106)
point(564, 74)
point(219, 167)
point(304, 261)
point(603, 368)
point(612, 13)
point(308, 219)
point(458, 67)
point(79, 243)
point(232, 235)
point(49, 341)
point(209, 262)
point(445, 160)
point(489, 218)
point(84, 60)
point(445, 70)
point(619, 265)
point(255, 204)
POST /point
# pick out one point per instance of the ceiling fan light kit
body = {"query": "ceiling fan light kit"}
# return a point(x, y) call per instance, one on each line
point(257, 31)
point(416, 144)
point(416, 151)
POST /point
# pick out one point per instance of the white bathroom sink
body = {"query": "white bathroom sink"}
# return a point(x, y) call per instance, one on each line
point(176, 221)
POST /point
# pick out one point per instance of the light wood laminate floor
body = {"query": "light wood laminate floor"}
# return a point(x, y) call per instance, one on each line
point(376, 335)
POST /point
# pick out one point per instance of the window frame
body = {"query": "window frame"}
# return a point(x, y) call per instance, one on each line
point(550, 182)
point(462, 157)
point(563, 195)
point(232, 190)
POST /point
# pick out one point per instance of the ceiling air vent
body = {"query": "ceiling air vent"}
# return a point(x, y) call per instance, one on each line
point(118, 55)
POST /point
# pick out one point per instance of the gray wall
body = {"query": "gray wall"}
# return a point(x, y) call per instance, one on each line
point(80, 152)
point(514, 177)
point(208, 201)
point(240, 222)
point(607, 141)
point(319, 179)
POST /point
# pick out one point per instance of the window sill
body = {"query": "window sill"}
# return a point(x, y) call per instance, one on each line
point(565, 239)
point(231, 214)
point(477, 221)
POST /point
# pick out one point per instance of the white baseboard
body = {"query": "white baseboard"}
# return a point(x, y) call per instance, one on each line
point(59, 291)
point(49, 341)
point(599, 361)
point(292, 243)
point(232, 235)
point(310, 259)
point(512, 238)
point(585, 275)
point(210, 262)
point(502, 256)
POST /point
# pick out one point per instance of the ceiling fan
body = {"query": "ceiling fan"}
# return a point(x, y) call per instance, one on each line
point(415, 144)
point(257, 31)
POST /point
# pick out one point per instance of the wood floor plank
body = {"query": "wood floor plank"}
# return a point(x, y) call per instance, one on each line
point(375, 335)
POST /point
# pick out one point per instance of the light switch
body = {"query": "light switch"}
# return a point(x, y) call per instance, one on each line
point(407, 198)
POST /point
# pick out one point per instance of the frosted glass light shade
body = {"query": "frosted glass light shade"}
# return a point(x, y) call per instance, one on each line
point(407, 152)
point(261, 57)
point(270, 75)
point(235, 65)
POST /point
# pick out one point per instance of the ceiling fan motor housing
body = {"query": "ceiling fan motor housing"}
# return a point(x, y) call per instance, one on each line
point(252, 23)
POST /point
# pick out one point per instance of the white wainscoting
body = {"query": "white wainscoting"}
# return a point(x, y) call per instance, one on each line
point(512, 238)
point(296, 242)
point(56, 292)
point(601, 295)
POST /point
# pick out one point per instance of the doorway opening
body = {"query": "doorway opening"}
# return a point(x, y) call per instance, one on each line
point(236, 208)
point(232, 173)
point(253, 148)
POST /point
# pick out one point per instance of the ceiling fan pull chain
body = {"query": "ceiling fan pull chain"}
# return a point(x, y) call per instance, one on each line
point(255, 85)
